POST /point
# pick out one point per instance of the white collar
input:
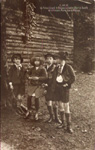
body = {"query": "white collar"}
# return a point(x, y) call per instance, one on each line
point(18, 66)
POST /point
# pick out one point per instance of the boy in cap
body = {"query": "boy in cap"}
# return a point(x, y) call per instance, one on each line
point(36, 76)
point(62, 79)
point(51, 103)
point(17, 78)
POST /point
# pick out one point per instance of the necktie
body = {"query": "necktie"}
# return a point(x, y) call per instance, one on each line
point(60, 69)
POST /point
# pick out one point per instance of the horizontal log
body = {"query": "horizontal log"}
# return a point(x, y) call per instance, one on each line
point(51, 37)
point(11, 38)
point(39, 48)
point(53, 26)
point(13, 41)
point(14, 29)
point(43, 29)
point(18, 12)
point(14, 33)
point(32, 44)
point(41, 21)
point(52, 29)
point(53, 34)
point(48, 18)
point(13, 25)
point(37, 43)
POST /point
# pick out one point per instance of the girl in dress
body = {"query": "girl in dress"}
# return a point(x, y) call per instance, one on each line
point(17, 79)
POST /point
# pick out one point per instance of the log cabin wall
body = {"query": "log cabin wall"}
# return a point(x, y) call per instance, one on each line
point(48, 34)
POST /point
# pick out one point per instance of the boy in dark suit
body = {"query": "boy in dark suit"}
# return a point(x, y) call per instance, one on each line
point(63, 77)
point(51, 102)
point(17, 79)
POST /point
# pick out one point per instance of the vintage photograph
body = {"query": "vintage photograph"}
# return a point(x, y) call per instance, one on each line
point(47, 75)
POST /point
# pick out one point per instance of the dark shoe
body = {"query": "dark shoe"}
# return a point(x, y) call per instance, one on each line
point(19, 112)
point(90, 73)
point(57, 120)
point(60, 126)
point(70, 130)
point(50, 120)
point(36, 117)
point(27, 115)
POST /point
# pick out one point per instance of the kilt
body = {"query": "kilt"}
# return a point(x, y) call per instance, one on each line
point(35, 89)
point(61, 93)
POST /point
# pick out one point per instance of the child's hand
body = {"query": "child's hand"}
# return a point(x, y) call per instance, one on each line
point(65, 85)
point(33, 78)
point(11, 86)
point(36, 78)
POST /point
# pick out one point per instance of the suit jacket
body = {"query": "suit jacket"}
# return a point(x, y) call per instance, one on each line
point(50, 94)
point(40, 72)
point(67, 74)
point(50, 71)
point(16, 76)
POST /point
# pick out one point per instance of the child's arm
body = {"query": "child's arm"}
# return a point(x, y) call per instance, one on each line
point(71, 77)
point(43, 75)
point(10, 77)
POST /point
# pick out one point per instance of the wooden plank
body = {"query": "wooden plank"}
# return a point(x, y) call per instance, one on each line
point(18, 12)
point(52, 19)
point(8, 24)
point(39, 42)
point(52, 29)
point(69, 49)
point(33, 43)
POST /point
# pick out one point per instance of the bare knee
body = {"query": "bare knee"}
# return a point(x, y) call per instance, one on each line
point(49, 103)
point(67, 107)
point(55, 104)
point(61, 106)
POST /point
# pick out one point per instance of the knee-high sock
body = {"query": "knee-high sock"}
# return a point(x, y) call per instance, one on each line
point(29, 102)
point(55, 109)
point(68, 119)
point(50, 111)
point(37, 104)
point(62, 115)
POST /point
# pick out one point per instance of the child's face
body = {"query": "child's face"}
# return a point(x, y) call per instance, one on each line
point(37, 63)
point(17, 61)
point(50, 60)
point(57, 60)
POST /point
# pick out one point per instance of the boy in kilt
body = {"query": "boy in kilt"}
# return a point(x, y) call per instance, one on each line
point(36, 76)
point(51, 102)
point(63, 77)
point(17, 79)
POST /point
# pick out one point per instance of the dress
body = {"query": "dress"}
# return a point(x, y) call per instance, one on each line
point(61, 93)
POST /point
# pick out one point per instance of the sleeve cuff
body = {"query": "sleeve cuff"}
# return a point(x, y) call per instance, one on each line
point(10, 83)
